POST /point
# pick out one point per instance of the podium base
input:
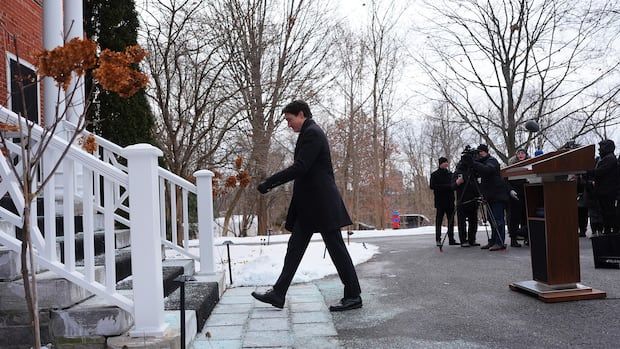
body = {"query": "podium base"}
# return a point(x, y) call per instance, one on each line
point(551, 294)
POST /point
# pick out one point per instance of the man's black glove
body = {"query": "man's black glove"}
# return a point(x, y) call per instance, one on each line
point(263, 188)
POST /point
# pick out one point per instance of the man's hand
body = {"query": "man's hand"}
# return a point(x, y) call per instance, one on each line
point(262, 188)
point(513, 194)
point(460, 181)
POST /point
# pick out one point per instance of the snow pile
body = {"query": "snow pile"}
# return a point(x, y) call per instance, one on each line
point(257, 265)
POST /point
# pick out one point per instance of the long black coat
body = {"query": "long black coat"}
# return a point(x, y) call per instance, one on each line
point(316, 205)
point(492, 186)
point(606, 178)
point(441, 184)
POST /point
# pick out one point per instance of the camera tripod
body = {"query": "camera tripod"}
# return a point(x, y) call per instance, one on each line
point(484, 210)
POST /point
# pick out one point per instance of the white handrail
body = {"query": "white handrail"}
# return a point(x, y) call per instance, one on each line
point(45, 248)
point(111, 153)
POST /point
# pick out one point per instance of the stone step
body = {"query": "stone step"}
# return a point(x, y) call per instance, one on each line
point(123, 262)
point(171, 270)
point(121, 237)
point(52, 292)
point(92, 320)
point(200, 296)
point(16, 329)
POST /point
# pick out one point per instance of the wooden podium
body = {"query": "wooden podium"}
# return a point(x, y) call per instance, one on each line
point(551, 205)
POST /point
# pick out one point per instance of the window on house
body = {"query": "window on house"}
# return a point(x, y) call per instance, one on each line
point(27, 95)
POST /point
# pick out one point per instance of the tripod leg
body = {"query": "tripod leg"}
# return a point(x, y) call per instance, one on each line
point(483, 214)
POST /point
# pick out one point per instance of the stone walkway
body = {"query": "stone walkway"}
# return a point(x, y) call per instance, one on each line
point(240, 321)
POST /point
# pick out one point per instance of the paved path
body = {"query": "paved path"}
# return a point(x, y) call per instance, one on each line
point(240, 321)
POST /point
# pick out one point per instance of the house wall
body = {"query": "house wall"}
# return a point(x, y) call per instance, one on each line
point(22, 20)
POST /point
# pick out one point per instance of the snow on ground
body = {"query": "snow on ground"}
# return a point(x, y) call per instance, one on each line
point(256, 264)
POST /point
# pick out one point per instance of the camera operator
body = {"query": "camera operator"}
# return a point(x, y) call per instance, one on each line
point(464, 182)
point(606, 183)
point(441, 184)
point(494, 190)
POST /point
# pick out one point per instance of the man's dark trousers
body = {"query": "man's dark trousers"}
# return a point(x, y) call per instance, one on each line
point(297, 244)
point(467, 216)
point(449, 213)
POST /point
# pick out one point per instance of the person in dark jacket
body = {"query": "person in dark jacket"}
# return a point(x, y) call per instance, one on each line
point(517, 219)
point(316, 206)
point(443, 190)
point(582, 208)
point(591, 202)
point(465, 184)
point(495, 192)
point(606, 183)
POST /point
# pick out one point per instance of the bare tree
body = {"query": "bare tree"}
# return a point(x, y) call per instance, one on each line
point(349, 86)
point(383, 46)
point(500, 63)
point(416, 155)
point(278, 51)
point(191, 97)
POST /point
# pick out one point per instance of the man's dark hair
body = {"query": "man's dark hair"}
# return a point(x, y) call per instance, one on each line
point(296, 106)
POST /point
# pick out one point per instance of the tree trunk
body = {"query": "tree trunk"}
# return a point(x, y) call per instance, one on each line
point(30, 285)
point(230, 209)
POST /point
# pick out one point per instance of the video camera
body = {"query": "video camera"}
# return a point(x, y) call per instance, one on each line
point(469, 151)
point(468, 155)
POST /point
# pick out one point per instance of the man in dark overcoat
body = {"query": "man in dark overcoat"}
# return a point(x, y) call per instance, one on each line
point(316, 206)
point(443, 191)
point(495, 192)
point(606, 183)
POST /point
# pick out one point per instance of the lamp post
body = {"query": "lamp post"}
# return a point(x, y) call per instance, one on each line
point(228, 243)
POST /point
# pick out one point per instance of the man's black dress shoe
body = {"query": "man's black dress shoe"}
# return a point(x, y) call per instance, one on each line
point(487, 246)
point(474, 244)
point(270, 297)
point(453, 243)
point(347, 304)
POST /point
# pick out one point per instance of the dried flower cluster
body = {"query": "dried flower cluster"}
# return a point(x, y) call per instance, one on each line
point(244, 178)
point(75, 56)
point(241, 179)
point(88, 143)
point(116, 73)
point(113, 70)
point(8, 127)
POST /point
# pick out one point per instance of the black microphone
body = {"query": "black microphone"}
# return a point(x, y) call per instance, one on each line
point(532, 126)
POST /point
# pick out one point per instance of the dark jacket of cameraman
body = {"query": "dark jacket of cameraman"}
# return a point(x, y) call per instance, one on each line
point(466, 191)
point(441, 184)
point(605, 174)
point(492, 186)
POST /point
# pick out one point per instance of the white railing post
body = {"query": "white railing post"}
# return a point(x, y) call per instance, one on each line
point(204, 192)
point(146, 263)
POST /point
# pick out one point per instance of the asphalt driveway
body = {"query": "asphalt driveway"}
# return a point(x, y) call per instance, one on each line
point(416, 297)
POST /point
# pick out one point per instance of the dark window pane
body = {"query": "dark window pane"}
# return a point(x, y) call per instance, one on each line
point(28, 78)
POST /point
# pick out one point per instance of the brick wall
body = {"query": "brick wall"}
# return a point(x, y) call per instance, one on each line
point(24, 20)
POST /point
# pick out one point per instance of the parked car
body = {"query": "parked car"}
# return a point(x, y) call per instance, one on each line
point(413, 220)
point(364, 226)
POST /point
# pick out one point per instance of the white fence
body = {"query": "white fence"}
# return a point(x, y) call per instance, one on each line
point(124, 186)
